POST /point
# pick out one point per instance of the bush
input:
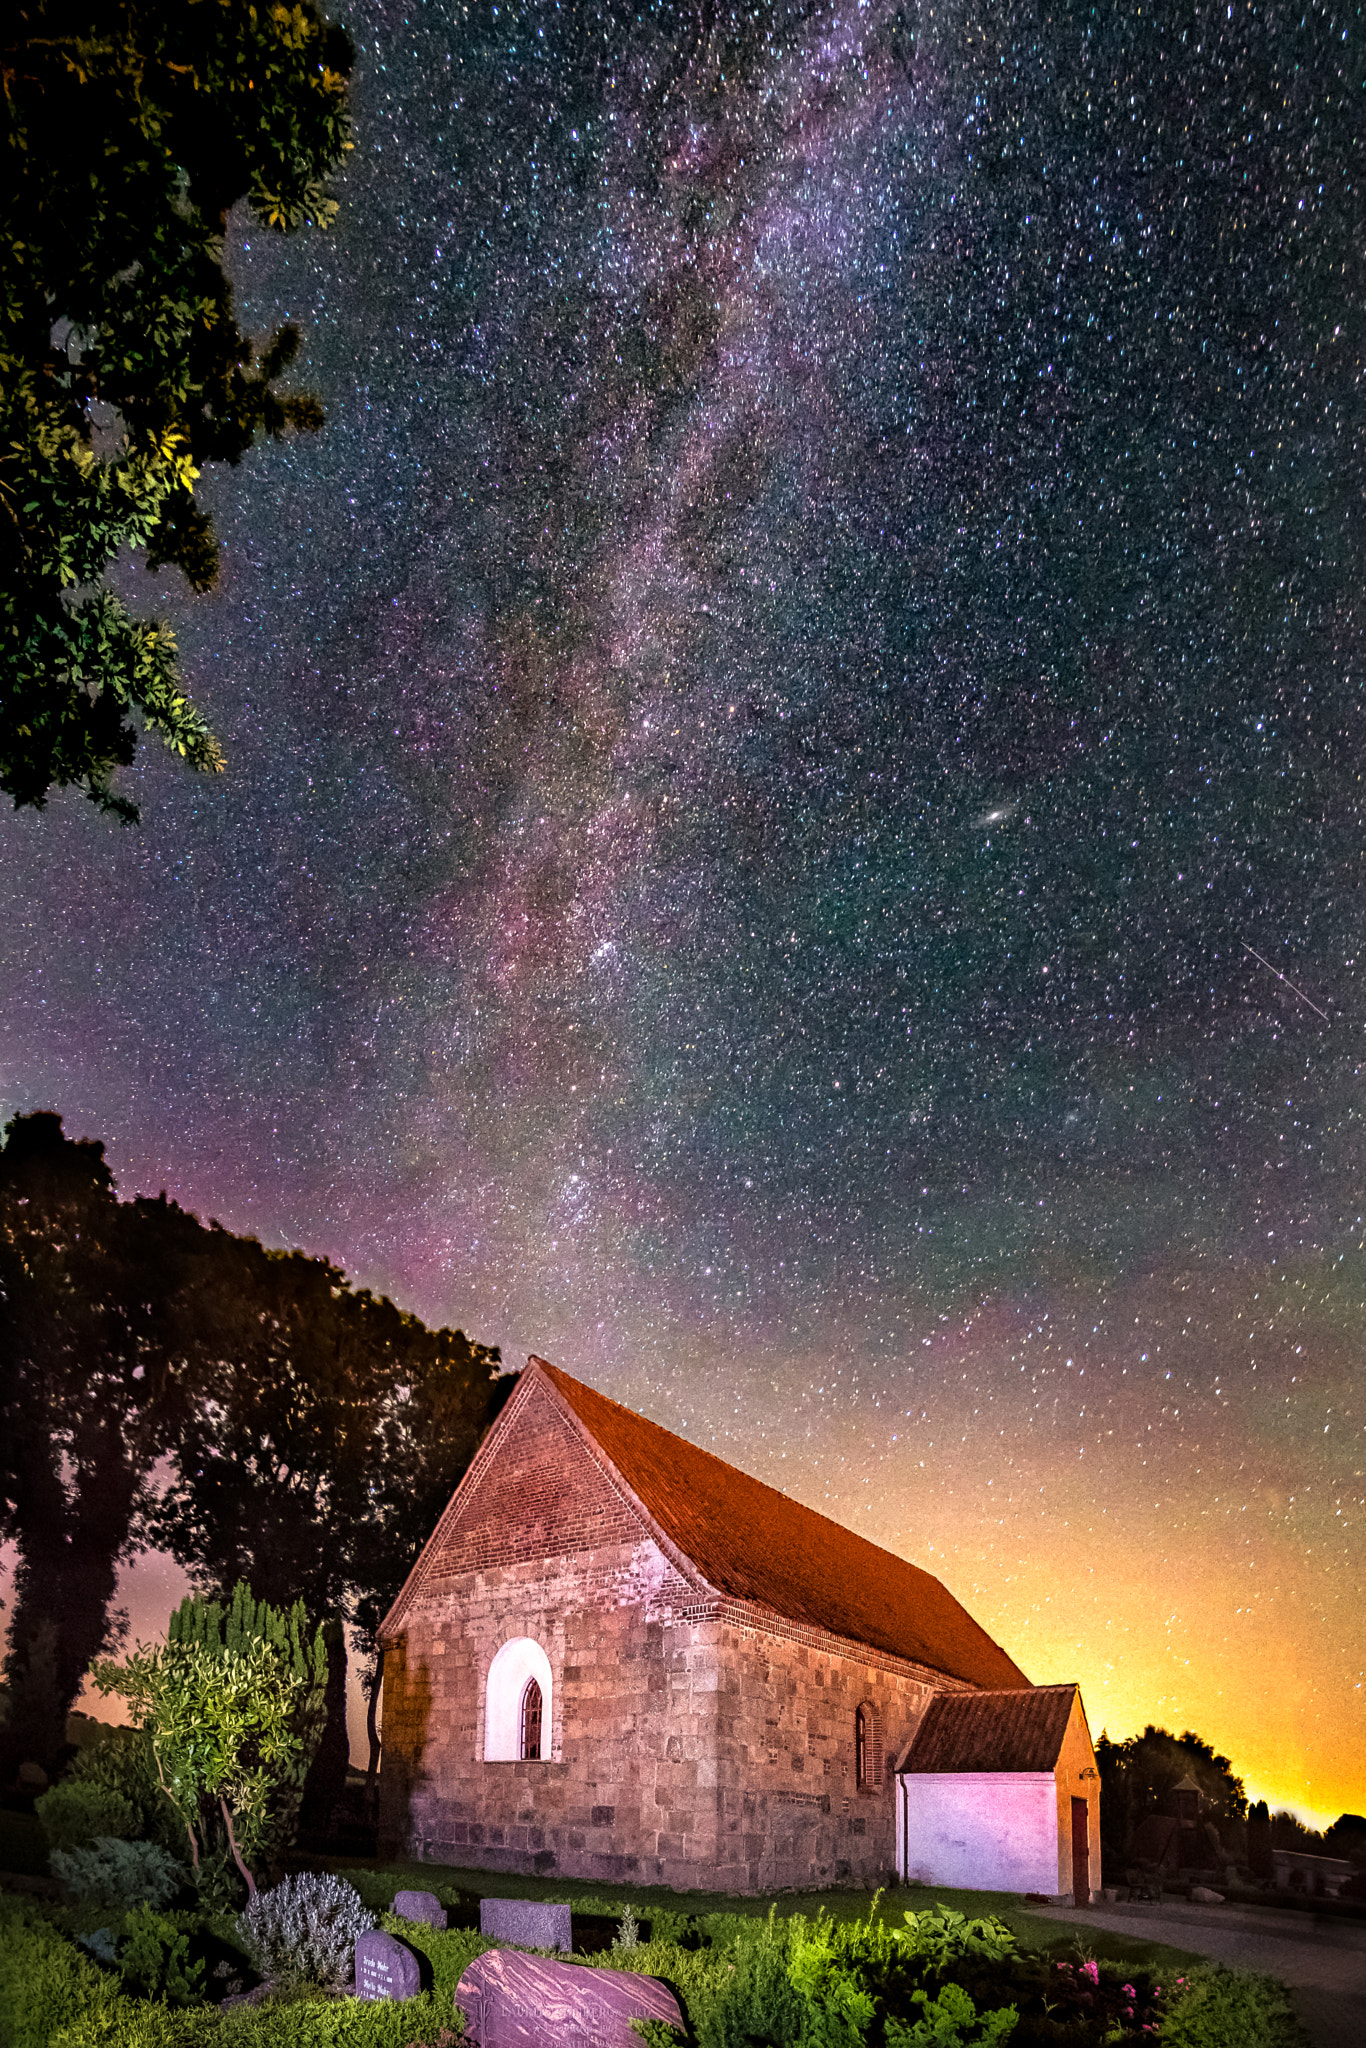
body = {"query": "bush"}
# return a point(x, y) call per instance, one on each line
point(154, 1960)
point(122, 1762)
point(304, 1930)
point(952, 2021)
point(119, 1874)
point(1219, 2008)
point(75, 1812)
point(45, 1982)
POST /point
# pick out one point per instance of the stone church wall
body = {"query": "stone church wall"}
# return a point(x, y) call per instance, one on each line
point(684, 1747)
point(790, 1809)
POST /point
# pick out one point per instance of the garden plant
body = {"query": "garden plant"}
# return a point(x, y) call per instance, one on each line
point(70, 1978)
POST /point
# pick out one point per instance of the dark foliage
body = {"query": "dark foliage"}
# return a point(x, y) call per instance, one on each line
point(314, 1430)
point(129, 127)
point(1138, 1776)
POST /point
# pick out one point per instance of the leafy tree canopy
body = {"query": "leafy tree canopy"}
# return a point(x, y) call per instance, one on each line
point(1139, 1775)
point(129, 129)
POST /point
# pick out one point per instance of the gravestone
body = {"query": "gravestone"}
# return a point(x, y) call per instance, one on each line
point(423, 1906)
point(385, 1968)
point(512, 2001)
point(528, 1923)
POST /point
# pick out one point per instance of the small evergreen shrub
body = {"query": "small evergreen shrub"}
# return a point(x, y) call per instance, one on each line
point(75, 1812)
point(45, 1982)
point(121, 1874)
point(304, 1930)
point(101, 1945)
point(627, 1937)
point(122, 1762)
point(154, 1960)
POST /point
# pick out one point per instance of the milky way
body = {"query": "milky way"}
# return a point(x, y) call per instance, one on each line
point(821, 640)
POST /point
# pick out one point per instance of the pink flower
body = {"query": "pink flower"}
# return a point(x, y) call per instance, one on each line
point(1129, 1991)
point(1091, 1970)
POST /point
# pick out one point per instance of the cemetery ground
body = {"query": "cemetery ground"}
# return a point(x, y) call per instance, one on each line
point(54, 1994)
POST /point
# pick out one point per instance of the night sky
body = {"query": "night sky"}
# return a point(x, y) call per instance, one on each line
point(822, 638)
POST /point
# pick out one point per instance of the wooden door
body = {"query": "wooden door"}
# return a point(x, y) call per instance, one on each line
point(1081, 1855)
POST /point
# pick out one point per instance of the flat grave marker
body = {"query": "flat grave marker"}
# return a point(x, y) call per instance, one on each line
point(528, 1923)
point(513, 2001)
point(424, 1907)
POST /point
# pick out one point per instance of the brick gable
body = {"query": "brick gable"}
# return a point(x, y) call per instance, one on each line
point(542, 1495)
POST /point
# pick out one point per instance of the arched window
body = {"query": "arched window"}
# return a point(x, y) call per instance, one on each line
point(867, 1747)
point(518, 1704)
point(531, 1720)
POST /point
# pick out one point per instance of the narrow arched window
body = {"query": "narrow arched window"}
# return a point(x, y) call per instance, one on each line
point(531, 1720)
point(861, 1748)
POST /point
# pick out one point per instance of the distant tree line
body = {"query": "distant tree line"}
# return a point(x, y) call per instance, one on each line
point(167, 1384)
point(1138, 1777)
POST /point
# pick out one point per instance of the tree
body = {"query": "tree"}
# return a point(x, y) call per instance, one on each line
point(323, 1443)
point(231, 1720)
point(1138, 1775)
point(130, 128)
point(94, 1391)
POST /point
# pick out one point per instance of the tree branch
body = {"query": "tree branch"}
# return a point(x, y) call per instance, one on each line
point(236, 1853)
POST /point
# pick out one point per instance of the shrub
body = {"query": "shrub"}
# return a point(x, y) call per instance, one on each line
point(304, 1930)
point(122, 1762)
point(45, 1982)
point(1219, 2008)
point(76, 1811)
point(154, 1960)
point(627, 1937)
point(952, 2021)
point(120, 1874)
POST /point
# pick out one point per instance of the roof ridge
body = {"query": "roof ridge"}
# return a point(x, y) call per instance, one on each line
point(752, 1542)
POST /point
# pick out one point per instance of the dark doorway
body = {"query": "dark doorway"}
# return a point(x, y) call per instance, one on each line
point(1081, 1855)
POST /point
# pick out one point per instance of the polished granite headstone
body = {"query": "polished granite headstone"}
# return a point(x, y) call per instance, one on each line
point(423, 1906)
point(513, 2001)
point(385, 1968)
point(527, 1923)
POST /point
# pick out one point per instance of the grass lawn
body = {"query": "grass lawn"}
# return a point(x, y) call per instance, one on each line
point(1044, 1935)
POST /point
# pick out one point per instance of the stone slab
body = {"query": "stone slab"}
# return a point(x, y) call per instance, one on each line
point(513, 2001)
point(528, 1923)
point(425, 1907)
point(385, 1968)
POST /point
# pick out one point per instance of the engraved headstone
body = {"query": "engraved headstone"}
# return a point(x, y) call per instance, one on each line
point(527, 1923)
point(423, 1906)
point(512, 2001)
point(385, 1968)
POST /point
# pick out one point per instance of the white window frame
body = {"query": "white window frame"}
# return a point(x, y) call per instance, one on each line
point(516, 1663)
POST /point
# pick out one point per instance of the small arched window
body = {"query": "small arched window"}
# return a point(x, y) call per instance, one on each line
point(531, 1720)
point(861, 1748)
point(519, 1704)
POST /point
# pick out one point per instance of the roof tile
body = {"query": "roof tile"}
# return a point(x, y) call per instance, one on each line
point(752, 1543)
point(991, 1731)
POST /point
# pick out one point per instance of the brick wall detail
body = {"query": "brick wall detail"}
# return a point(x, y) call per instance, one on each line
point(544, 1495)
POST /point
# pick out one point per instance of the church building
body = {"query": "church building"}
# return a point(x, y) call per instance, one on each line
point(620, 1658)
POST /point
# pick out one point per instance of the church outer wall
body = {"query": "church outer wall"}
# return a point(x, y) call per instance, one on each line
point(691, 1742)
point(693, 1753)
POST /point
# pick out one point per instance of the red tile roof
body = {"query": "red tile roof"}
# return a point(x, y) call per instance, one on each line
point(992, 1731)
point(750, 1542)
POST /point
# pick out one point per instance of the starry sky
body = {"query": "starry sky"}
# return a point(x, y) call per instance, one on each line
point(793, 831)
